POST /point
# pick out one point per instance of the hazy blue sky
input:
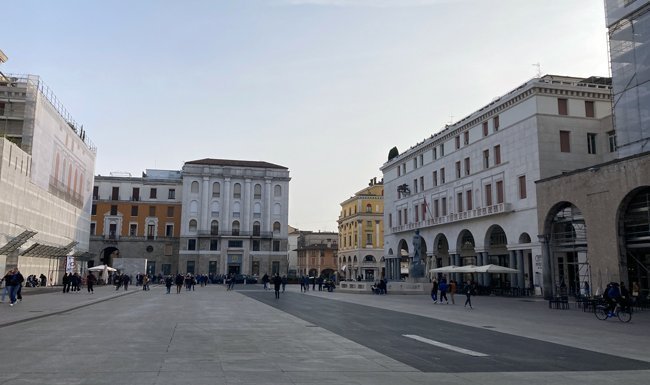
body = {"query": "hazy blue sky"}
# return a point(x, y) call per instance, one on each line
point(323, 87)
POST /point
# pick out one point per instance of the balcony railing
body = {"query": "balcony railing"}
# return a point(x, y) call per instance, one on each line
point(456, 217)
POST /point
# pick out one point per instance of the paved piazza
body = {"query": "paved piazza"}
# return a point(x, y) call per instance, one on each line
point(214, 336)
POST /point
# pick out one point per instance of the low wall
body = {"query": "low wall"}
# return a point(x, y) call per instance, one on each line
point(395, 287)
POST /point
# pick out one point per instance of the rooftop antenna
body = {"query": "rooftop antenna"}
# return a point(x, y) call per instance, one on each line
point(539, 69)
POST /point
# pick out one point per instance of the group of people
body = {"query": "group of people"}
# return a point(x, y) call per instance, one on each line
point(439, 291)
point(13, 281)
point(379, 287)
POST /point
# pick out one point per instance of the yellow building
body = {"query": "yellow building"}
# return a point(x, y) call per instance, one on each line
point(361, 234)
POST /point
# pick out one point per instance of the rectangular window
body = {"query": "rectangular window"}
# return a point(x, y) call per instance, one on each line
point(442, 150)
point(115, 194)
point(435, 178)
point(171, 194)
point(459, 202)
point(151, 231)
point(212, 267)
point(611, 140)
point(421, 160)
point(562, 107)
point(399, 171)
point(170, 211)
point(276, 245)
point(497, 155)
point(133, 229)
point(495, 122)
point(153, 193)
point(421, 183)
point(390, 220)
point(589, 109)
point(135, 195)
point(442, 175)
point(190, 267)
point(96, 192)
point(485, 128)
point(93, 227)
point(435, 153)
point(235, 244)
point(415, 163)
point(522, 187)
point(436, 208)
point(404, 168)
point(467, 170)
point(457, 142)
point(415, 186)
point(93, 210)
point(113, 209)
point(424, 210)
point(369, 239)
point(488, 195)
point(591, 143)
point(486, 159)
point(2, 108)
point(500, 192)
point(256, 245)
point(466, 138)
point(406, 216)
point(443, 204)
point(416, 211)
point(169, 230)
point(214, 244)
point(399, 217)
point(458, 170)
point(565, 141)
point(152, 211)
point(134, 211)
point(191, 244)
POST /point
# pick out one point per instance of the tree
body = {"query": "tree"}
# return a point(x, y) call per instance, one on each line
point(393, 153)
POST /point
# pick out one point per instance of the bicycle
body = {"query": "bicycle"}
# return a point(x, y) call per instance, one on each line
point(623, 314)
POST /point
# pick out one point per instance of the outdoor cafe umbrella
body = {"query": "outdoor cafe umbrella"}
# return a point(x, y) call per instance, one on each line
point(495, 269)
point(445, 269)
point(101, 268)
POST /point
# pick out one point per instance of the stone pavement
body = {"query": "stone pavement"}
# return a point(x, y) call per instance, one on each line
point(212, 336)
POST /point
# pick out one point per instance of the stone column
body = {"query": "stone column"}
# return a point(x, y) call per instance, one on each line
point(480, 262)
point(206, 210)
point(225, 208)
point(520, 267)
point(246, 207)
point(266, 221)
point(487, 281)
point(547, 266)
point(511, 264)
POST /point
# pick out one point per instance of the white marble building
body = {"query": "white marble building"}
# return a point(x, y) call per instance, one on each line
point(235, 217)
point(470, 189)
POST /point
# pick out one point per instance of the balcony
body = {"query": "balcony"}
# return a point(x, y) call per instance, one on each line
point(480, 212)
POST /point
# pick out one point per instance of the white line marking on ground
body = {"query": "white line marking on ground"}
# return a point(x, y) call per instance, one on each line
point(445, 346)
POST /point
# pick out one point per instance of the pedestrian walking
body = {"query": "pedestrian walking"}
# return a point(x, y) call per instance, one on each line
point(90, 282)
point(277, 283)
point(145, 282)
point(469, 291)
point(4, 281)
point(126, 279)
point(434, 291)
point(284, 282)
point(443, 290)
point(265, 281)
point(66, 282)
point(452, 291)
point(179, 282)
point(169, 281)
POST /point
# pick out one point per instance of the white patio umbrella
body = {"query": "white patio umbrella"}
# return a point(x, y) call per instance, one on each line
point(495, 269)
point(101, 268)
point(445, 269)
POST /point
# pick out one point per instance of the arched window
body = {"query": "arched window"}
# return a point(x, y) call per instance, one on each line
point(214, 228)
point(194, 187)
point(256, 229)
point(257, 210)
point(276, 209)
point(277, 190)
point(193, 225)
point(236, 191)
point(276, 227)
point(368, 208)
point(216, 189)
point(258, 191)
point(194, 207)
point(235, 228)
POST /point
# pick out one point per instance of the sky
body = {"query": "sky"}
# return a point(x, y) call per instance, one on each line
point(323, 87)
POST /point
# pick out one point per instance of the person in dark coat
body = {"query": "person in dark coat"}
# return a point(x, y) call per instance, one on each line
point(90, 282)
point(66, 282)
point(169, 281)
point(277, 283)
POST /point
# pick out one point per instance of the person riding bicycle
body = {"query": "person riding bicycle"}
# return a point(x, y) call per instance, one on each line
point(613, 297)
